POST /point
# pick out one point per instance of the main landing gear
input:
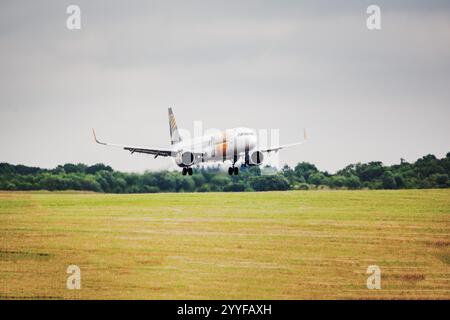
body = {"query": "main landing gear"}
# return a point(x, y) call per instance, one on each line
point(187, 171)
point(233, 170)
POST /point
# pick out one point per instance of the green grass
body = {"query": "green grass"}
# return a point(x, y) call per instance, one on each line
point(275, 245)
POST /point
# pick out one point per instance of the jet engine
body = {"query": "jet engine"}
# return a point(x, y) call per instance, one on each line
point(255, 158)
point(185, 159)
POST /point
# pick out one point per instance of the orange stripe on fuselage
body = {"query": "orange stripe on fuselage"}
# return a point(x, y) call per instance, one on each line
point(221, 148)
point(224, 149)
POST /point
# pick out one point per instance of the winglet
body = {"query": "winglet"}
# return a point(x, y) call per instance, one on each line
point(95, 137)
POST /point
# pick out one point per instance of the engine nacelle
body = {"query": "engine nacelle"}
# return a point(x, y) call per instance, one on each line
point(185, 159)
point(255, 158)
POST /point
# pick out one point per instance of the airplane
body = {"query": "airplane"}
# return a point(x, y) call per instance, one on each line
point(229, 145)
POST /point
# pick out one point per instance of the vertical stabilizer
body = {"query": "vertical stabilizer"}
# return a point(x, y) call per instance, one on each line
point(174, 135)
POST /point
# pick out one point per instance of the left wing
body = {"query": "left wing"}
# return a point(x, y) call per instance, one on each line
point(154, 151)
point(277, 148)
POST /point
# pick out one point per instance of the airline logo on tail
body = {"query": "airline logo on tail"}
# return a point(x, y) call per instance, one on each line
point(174, 135)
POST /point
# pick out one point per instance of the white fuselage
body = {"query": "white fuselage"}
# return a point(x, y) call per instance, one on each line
point(220, 146)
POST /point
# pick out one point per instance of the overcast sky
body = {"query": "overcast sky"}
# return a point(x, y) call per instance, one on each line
point(362, 95)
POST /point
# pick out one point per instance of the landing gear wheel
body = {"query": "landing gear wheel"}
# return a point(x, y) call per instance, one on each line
point(236, 171)
point(189, 171)
point(230, 171)
point(184, 171)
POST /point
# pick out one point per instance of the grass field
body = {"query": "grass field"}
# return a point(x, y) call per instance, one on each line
point(276, 245)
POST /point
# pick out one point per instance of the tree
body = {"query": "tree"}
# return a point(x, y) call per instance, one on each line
point(439, 180)
point(305, 169)
point(352, 182)
point(199, 179)
point(89, 183)
point(289, 174)
point(348, 170)
point(316, 178)
point(235, 187)
point(148, 179)
point(133, 182)
point(389, 180)
point(74, 168)
point(337, 181)
point(188, 184)
point(302, 186)
point(165, 181)
point(151, 189)
point(426, 172)
point(10, 186)
point(204, 188)
point(106, 180)
point(428, 165)
point(97, 168)
point(54, 183)
point(6, 168)
point(399, 180)
point(220, 181)
point(120, 184)
point(270, 182)
point(370, 171)
point(24, 170)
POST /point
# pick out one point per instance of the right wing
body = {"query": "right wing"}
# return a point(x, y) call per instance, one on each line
point(154, 151)
point(277, 148)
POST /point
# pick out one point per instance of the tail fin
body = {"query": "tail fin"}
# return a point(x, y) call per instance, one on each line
point(174, 135)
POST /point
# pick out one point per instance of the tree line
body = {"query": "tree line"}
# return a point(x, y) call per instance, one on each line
point(426, 172)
